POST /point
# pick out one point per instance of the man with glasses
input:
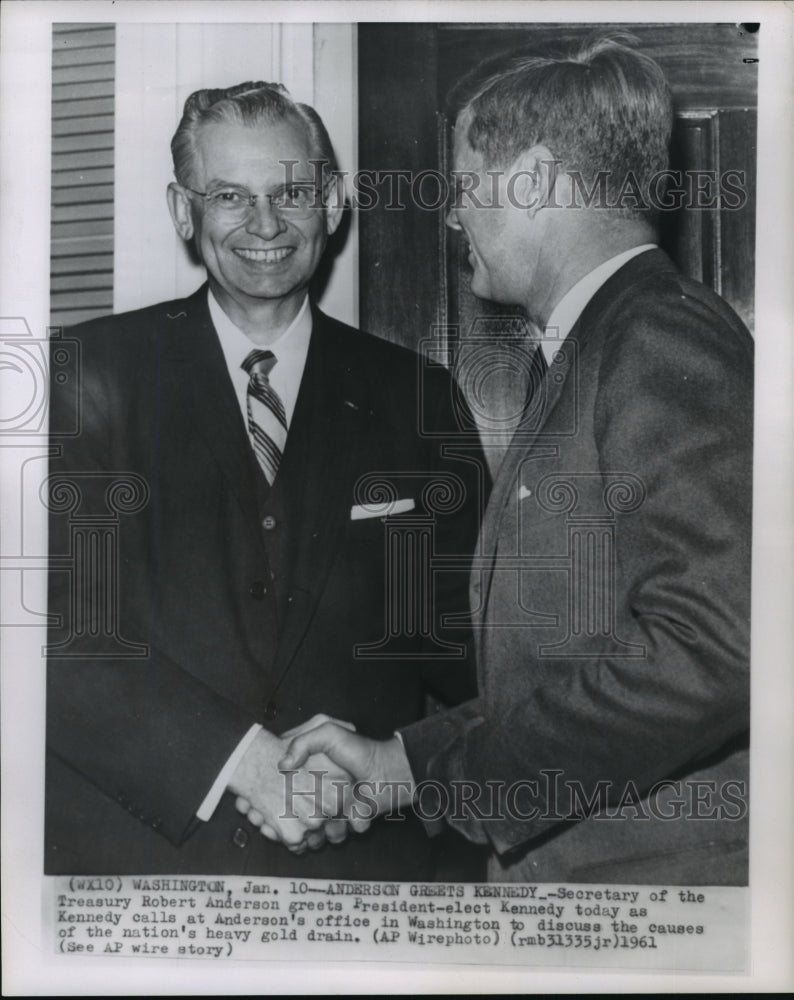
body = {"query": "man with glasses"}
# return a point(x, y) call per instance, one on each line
point(250, 590)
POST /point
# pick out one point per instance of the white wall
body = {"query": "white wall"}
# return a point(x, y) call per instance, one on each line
point(157, 67)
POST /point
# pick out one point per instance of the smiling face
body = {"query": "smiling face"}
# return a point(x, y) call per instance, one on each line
point(263, 263)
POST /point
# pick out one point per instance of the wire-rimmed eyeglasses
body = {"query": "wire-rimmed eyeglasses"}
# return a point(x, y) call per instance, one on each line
point(235, 203)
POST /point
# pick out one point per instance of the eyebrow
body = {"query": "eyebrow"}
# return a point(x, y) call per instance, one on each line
point(220, 182)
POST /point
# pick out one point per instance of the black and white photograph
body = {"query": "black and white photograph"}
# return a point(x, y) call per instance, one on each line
point(397, 488)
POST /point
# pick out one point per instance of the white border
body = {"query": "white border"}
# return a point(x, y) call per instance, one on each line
point(24, 239)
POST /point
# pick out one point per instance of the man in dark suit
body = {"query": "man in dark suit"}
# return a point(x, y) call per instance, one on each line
point(227, 470)
point(609, 741)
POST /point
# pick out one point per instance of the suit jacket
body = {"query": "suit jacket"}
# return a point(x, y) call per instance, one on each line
point(192, 600)
point(612, 606)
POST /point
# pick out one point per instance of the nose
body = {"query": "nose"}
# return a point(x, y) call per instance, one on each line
point(264, 220)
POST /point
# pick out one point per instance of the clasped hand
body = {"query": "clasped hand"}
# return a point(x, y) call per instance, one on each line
point(300, 789)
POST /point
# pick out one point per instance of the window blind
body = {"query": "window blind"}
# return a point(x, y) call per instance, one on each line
point(81, 244)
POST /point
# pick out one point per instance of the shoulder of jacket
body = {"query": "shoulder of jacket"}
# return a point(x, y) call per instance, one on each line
point(138, 325)
point(131, 318)
point(658, 294)
point(368, 348)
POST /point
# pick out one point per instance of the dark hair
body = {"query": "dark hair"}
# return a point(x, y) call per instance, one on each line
point(601, 106)
point(246, 104)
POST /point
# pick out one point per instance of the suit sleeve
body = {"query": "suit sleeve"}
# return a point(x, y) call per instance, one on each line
point(127, 717)
point(673, 407)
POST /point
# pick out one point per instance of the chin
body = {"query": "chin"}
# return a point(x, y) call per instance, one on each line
point(480, 288)
point(269, 286)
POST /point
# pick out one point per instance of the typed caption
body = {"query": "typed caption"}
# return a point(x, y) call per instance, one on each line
point(595, 926)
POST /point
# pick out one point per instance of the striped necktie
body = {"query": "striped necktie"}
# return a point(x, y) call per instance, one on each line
point(267, 420)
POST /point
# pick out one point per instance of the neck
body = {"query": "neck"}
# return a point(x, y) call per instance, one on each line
point(573, 258)
point(262, 320)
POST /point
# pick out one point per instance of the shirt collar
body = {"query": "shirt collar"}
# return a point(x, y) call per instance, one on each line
point(572, 304)
point(290, 350)
point(234, 342)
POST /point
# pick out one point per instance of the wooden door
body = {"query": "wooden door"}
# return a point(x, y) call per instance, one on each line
point(414, 276)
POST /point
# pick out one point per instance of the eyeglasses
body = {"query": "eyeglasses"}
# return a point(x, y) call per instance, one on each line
point(235, 204)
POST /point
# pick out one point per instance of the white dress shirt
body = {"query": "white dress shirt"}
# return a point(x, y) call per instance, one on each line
point(290, 351)
point(572, 304)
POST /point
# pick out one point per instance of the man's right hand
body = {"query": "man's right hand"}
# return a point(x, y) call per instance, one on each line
point(381, 764)
point(291, 807)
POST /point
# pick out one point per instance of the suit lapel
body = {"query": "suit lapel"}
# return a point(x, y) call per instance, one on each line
point(325, 438)
point(527, 438)
point(205, 388)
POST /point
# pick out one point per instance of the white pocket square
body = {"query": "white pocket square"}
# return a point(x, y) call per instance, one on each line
point(523, 492)
point(360, 511)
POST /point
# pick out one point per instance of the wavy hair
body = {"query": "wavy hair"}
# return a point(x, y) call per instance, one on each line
point(246, 104)
point(601, 106)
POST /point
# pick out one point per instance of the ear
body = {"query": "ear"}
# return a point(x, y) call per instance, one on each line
point(531, 180)
point(181, 210)
point(334, 205)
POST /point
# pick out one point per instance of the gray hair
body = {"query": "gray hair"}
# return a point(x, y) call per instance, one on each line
point(246, 104)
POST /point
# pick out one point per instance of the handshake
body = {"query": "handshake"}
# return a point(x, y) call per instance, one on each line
point(298, 789)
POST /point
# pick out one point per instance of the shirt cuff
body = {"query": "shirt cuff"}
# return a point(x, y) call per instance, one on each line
point(214, 795)
point(401, 741)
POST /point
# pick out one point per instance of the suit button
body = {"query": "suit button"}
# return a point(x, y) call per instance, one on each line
point(240, 837)
point(269, 523)
point(258, 590)
point(271, 710)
